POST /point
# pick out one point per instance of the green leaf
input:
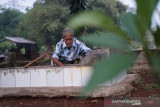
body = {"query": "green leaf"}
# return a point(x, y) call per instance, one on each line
point(109, 68)
point(130, 25)
point(96, 19)
point(155, 61)
point(157, 36)
point(145, 10)
point(107, 40)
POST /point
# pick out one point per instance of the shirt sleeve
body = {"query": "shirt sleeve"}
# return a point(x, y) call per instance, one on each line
point(57, 51)
point(84, 49)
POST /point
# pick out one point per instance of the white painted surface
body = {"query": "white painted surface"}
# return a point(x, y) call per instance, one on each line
point(86, 74)
point(38, 78)
point(23, 78)
point(55, 77)
point(8, 78)
point(51, 77)
point(68, 77)
point(76, 76)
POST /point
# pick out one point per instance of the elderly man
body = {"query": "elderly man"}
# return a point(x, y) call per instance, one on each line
point(68, 49)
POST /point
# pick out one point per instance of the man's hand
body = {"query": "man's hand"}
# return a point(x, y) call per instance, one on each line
point(61, 65)
point(55, 60)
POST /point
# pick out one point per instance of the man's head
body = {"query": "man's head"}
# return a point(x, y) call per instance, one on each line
point(68, 37)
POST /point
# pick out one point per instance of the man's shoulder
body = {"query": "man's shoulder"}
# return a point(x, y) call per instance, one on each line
point(77, 41)
point(60, 42)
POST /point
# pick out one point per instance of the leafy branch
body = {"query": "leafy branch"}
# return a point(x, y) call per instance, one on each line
point(134, 27)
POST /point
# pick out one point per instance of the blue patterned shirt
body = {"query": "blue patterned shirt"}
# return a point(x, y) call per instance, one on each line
point(70, 54)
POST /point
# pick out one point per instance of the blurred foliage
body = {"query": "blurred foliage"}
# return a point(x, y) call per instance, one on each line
point(156, 36)
point(78, 5)
point(113, 8)
point(53, 48)
point(9, 19)
point(22, 50)
point(2, 34)
point(43, 49)
point(133, 27)
point(45, 21)
point(6, 46)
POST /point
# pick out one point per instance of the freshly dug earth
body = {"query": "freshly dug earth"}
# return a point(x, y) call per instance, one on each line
point(148, 86)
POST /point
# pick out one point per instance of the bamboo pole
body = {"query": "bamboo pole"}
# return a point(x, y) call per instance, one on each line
point(34, 61)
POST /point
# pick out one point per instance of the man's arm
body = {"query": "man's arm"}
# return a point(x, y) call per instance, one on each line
point(55, 60)
point(84, 49)
point(55, 56)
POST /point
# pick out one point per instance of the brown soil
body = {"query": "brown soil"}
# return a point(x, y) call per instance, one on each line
point(146, 87)
point(50, 102)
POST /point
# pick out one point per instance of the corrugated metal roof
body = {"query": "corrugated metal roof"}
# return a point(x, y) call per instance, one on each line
point(20, 40)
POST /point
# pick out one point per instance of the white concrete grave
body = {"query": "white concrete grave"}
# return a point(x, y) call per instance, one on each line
point(51, 77)
point(49, 81)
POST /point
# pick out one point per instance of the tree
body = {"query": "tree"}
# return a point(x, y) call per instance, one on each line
point(113, 8)
point(44, 23)
point(78, 5)
point(9, 20)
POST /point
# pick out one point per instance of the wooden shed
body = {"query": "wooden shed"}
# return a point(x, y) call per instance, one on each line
point(30, 48)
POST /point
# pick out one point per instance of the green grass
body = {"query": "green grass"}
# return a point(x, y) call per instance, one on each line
point(151, 87)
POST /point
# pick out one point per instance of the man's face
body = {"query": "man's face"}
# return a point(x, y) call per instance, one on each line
point(68, 40)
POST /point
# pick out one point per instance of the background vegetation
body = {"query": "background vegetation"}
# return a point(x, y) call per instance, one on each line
point(45, 21)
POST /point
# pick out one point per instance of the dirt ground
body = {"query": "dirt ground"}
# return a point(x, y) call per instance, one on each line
point(148, 86)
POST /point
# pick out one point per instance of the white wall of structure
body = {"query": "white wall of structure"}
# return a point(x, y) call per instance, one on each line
point(50, 77)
